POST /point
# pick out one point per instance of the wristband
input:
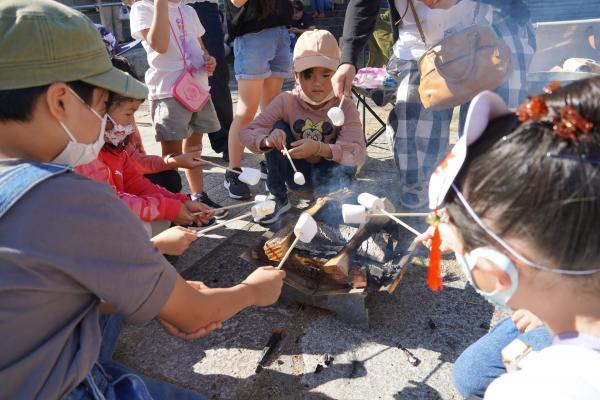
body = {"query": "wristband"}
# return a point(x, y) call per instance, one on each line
point(167, 157)
point(318, 152)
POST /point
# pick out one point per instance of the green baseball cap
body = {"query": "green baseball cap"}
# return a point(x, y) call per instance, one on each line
point(43, 41)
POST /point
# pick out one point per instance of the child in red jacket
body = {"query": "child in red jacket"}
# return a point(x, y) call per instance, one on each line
point(116, 167)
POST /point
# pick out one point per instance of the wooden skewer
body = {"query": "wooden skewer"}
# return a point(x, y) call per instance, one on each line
point(220, 224)
point(402, 214)
point(410, 228)
point(214, 164)
point(287, 153)
point(341, 101)
point(247, 203)
point(287, 254)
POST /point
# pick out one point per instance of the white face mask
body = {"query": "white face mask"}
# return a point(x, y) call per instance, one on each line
point(76, 153)
point(469, 261)
point(118, 133)
point(310, 101)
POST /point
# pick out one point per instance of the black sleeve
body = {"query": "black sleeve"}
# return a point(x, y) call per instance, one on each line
point(359, 24)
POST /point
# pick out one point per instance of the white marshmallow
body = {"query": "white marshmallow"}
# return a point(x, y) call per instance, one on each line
point(260, 197)
point(263, 209)
point(370, 201)
point(251, 176)
point(306, 228)
point(299, 178)
point(354, 214)
point(336, 115)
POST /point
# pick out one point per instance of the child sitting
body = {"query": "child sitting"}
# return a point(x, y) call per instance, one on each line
point(115, 167)
point(301, 22)
point(327, 155)
point(522, 195)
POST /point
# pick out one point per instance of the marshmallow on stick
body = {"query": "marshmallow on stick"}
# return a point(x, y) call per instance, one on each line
point(251, 176)
point(336, 114)
point(305, 230)
point(298, 176)
point(375, 204)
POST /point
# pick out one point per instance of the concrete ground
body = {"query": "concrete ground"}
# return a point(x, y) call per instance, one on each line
point(368, 364)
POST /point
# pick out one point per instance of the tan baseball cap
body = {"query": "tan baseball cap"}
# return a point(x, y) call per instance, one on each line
point(43, 41)
point(316, 48)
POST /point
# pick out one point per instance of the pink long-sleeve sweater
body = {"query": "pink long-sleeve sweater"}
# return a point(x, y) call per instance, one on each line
point(347, 142)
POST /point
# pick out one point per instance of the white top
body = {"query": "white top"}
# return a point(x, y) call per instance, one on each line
point(437, 23)
point(166, 68)
point(558, 372)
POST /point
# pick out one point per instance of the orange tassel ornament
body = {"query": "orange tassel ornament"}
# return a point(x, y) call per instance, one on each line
point(434, 271)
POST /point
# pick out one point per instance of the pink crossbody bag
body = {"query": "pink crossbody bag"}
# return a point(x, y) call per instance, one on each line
point(186, 89)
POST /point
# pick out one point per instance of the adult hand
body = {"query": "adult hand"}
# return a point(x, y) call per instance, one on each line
point(304, 148)
point(295, 30)
point(276, 139)
point(210, 63)
point(204, 211)
point(342, 79)
point(265, 284)
point(174, 241)
point(526, 320)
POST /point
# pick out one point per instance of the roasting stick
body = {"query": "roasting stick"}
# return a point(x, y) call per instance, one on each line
point(247, 203)
point(287, 253)
point(214, 164)
point(404, 224)
point(287, 153)
point(221, 224)
point(401, 214)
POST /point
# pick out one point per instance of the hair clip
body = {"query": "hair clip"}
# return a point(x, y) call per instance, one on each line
point(571, 124)
point(534, 110)
point(552, 87)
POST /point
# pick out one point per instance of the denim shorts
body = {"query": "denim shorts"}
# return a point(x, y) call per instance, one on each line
point(263, 54)
point(172, 121)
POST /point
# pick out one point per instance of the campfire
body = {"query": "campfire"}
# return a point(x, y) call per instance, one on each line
point(342, 264)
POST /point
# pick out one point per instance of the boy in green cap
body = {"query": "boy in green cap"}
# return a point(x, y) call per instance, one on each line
point(62, 261)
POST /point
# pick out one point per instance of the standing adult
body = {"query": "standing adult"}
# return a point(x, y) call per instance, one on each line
point(261, 45)
point(214, 40)
point(419, 136)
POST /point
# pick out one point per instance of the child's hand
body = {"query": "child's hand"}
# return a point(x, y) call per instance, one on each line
point(186, 160)
point(526, 320)
point(174, 241)
point(304, 148)
point(210, 63)
point(265, 284)
point(204, 211)
point(447, 235)
point(184, 217)
point(276, 139)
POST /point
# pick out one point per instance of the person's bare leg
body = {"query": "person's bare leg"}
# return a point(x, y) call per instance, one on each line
point(194, 176)
point(249, 95)
point(271, 89)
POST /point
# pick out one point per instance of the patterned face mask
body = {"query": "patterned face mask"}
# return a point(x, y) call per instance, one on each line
point(117, 134)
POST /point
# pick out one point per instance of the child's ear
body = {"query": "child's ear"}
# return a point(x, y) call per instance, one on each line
point(489, 277)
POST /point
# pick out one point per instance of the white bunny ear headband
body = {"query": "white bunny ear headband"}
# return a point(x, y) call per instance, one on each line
point(484, 107)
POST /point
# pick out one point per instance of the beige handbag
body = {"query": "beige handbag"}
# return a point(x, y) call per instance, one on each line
point(462, 65)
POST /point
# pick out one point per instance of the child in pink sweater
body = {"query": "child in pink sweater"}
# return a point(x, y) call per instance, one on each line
point(327, 155)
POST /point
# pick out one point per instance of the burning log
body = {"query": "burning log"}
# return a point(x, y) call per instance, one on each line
point(277, 246)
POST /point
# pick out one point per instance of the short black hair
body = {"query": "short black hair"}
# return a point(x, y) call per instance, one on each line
point(18, 104)
point(511, 179)
point(298, 6)
point(307, 73)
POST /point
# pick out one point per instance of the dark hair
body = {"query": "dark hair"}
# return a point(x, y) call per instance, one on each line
point(297, 5)
point(125, 65)
point(307, 73)
point(18, 104)
point(513, 182)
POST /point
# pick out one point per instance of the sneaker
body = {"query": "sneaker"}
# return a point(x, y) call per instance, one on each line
point(282, 205)
point(263, 170)
point(207, 200)
point(413, 197)
point(237, 189)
